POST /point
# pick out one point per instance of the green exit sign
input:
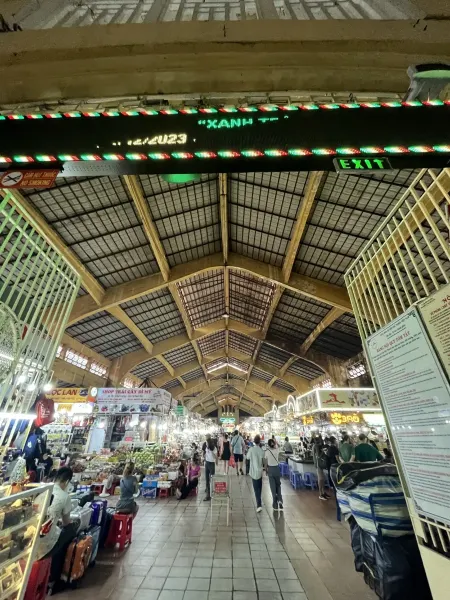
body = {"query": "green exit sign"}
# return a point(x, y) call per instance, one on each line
point(365, 163)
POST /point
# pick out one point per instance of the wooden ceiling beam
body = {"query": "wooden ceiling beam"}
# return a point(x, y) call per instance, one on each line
point(313, 288)
point(312, 185)
point(329, 318)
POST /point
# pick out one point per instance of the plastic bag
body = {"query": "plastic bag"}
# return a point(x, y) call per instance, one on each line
point(355, 535)
point(232, 462)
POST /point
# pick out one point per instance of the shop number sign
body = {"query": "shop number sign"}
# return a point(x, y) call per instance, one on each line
point(220, 487)
point(308, 420)
point(341, 419)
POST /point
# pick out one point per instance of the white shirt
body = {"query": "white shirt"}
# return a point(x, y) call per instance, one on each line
point(60, 506)
point(211, 455)
point(271, 455)
point(256, 457)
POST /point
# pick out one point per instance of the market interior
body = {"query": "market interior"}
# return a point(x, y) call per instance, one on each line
point(192, 310)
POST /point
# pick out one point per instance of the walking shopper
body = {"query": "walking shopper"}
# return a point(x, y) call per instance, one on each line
point(256, 457)
point(238, 445)
point(365, 452)
point(210, 466)
point(273, 471)
point(320, 462)
point(226, 453)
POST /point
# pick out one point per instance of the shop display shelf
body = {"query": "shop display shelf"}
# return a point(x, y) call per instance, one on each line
point(22, 524)
point(14, 588)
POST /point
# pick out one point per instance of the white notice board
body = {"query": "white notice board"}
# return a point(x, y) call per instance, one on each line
point(435, 312)
point(416, 397)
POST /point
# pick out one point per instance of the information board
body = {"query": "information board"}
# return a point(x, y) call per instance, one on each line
point(416, 398)
point(435, 312)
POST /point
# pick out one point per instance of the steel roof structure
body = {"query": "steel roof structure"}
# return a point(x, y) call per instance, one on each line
point(225, 290)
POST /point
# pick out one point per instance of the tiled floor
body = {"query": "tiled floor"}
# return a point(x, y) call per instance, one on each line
point(176, 554)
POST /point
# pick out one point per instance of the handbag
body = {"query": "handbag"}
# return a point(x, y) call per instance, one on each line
point(232, 462)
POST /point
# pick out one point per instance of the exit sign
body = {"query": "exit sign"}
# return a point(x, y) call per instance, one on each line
point(365, 163)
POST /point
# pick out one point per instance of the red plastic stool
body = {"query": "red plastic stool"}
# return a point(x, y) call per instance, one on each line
point(98, 488)
point(38, 581)
point(120, 530)
point(164, 492)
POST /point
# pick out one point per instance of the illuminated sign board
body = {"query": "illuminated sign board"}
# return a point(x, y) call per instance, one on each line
point(257, 138)
point(355, 165)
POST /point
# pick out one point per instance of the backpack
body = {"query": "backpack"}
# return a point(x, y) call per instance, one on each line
point(322, 459)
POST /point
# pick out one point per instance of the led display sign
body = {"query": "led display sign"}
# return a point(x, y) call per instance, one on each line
point(367, 136)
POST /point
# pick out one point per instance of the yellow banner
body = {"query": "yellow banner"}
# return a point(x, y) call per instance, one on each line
point(68, 395)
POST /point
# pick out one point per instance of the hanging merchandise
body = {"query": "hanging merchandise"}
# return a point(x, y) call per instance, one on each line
point(45, 408)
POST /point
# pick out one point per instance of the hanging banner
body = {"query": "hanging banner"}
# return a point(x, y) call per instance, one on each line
point(69, 395)
point(416, 398)
point(132, 399)
point(349, 398)
point(435, 313)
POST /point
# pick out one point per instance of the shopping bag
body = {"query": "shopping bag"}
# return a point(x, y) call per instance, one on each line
point(232, 462)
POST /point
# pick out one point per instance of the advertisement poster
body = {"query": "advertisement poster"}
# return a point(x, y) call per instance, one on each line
point(435, 313)
point(305, 403)
point(69, 395)
point(132, 399)
point(416, 398)
point(348, 399)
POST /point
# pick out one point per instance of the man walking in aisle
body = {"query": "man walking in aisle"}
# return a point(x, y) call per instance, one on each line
point(238, 445)
point(256, 457)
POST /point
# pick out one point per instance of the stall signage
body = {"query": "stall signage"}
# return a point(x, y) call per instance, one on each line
point(132, 399)
point(69, 395)
point(220, 487)
point(308, 420)
point(348, 398)
point(344, 418)
point(305, 403)
point(227, 420)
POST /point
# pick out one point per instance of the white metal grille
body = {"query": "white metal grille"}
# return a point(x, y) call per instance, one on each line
point(37, 291)
point(408, 258)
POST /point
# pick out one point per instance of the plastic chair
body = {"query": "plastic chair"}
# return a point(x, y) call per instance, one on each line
point(38, 581)
point(296, 480)
point(284, 469)
point(164, 492)
point(120, 531)
point(310, 480)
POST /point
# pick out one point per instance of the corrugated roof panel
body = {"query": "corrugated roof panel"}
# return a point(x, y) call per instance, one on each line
point(186, 217)
point(250, 298)
point(283, 385)
point(212, 343)
point(239, 365)
point(148, 369)
point(296, 316)
point(156, 315)
point(180, 356)
point(259, 374)
point(195, 374)
point(105, 334)
point(340, 339)
point(306, 369)
point(203, 297)
point(241, 343)
point(171, 384)
point(273, 356)
point(98, 221)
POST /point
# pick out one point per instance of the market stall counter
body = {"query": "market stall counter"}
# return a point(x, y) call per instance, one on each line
point(300, 465)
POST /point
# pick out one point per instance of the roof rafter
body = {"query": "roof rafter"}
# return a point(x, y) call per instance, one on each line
point(127, 362)
point(313, 288)
point(329, 318)
point(312, 185)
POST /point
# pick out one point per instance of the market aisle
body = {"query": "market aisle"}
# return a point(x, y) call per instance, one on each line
point(301, 554)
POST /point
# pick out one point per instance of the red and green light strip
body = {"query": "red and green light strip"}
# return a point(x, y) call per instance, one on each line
point(224, 109)
point(206, 154)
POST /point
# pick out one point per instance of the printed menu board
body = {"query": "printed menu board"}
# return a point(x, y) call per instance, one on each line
point(435, 312)
point(416, 397)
